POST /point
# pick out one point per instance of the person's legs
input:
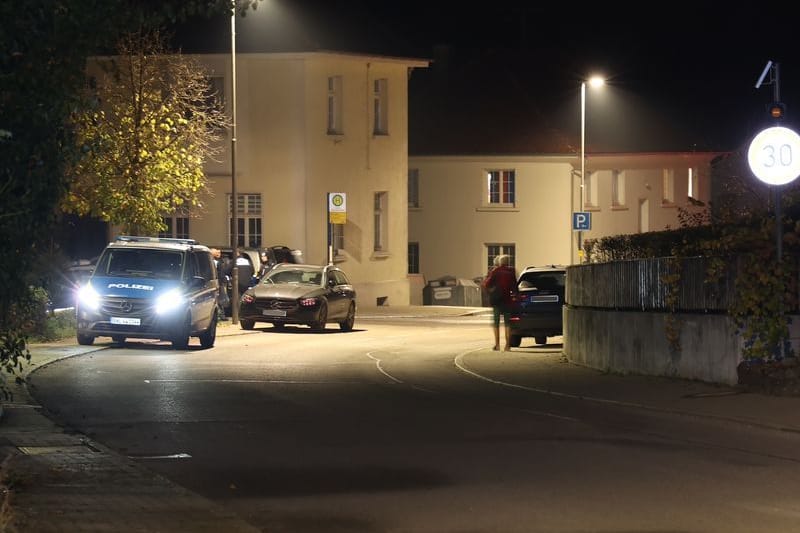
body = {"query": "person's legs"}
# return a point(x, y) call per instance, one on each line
point(507, 328)
point(496, 327)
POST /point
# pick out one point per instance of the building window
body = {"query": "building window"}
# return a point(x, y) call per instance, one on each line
point(668, 186)
point(337, 239)
point(413, 187)
point(693, 185)
point(500, 186)
point(494, 250)
point(380, 107)
point(590, 189)
point(644, 216)
point(248, 220)
point(617, 188)
point(413, 258)
point(381, 221)
point(335, 105)
point(177, 227)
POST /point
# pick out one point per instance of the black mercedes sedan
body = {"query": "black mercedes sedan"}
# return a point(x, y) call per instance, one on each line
point(300, 294)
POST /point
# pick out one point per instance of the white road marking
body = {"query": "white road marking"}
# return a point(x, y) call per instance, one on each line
point(281, 381)
point(460, 365)
point(380, 368)
point(171, 456)
point(551, 415)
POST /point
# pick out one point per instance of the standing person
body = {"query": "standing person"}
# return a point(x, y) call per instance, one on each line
point(501, 284)
point(265, 266)
point(223, 272)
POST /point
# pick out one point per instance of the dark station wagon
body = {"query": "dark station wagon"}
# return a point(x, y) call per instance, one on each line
point(308, 295)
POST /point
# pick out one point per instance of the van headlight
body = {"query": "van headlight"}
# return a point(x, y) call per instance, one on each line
point(169, 301)
point(88, 297)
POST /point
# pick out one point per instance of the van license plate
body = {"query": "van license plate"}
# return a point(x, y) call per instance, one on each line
point(126, 321)
point(273, 312)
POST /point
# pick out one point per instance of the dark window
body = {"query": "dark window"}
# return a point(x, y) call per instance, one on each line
point(413, 258)
point(205, 266)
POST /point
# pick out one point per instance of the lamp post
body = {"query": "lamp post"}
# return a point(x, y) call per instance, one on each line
point(234, 202)
point(594, 81)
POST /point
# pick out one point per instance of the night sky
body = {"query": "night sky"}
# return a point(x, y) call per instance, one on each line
point(506, 75)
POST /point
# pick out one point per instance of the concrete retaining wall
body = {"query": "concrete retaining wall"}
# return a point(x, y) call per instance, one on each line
point(634, 342)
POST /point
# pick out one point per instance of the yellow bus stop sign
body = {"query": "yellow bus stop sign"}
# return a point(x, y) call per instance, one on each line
point(337, 207)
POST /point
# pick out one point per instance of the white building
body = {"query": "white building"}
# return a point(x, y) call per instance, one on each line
point(465, 210)
point(309, 124)
point(313, 123)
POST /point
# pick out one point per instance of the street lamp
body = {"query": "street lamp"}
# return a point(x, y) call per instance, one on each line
point(234, 203)
point(594, 81)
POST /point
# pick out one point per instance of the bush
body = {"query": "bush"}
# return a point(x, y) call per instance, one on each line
point(57, 326)
point(37, 322)
point(28, 320)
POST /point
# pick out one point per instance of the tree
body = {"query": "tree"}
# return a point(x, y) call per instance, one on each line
point(43, 49)
point(144, 145)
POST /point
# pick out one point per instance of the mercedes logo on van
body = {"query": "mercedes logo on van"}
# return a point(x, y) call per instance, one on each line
point(126, 306)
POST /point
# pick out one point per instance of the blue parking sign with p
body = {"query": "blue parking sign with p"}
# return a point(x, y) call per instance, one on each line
point(581, 221)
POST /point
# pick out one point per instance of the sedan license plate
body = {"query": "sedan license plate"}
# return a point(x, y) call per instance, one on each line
point(126, 321)
point(273, 312)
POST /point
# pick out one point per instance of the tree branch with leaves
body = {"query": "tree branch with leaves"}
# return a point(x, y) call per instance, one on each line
point(144, 143)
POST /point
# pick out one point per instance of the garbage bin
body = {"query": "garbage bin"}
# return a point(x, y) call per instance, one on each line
point(449, 290)
point(484, 293)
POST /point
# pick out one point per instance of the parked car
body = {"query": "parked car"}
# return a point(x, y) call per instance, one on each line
point(252, 266)
point(538, 303)
point(276, 255)
point(64, 289)
point(300, 294)
point(146, 287)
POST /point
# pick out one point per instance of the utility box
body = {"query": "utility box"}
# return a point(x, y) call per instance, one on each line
point(449, 290)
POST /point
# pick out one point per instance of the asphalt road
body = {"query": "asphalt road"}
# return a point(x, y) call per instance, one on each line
point(408, 425)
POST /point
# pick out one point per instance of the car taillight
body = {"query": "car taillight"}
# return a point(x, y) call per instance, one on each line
point(308, 302)
point(248, 298)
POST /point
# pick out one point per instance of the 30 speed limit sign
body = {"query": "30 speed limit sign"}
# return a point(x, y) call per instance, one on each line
point(774, 155)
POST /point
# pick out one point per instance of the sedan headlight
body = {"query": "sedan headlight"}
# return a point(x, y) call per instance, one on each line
point(309, 302)
point(88, 297)
point(169, 301)
point(248, 298)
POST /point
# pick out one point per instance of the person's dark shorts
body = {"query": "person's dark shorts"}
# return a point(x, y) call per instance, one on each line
point(501, 310)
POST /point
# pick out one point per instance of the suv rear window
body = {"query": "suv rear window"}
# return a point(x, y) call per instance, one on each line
point(543, 280)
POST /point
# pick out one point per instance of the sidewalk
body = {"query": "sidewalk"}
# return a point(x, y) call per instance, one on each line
point(61, 481)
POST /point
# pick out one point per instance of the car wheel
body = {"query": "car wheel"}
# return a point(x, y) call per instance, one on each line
point(247, 324)
point(118, 339)
point(208, 337)
point(85, 340)
point(322, 318)
point(181, 339)
point(347, 323)
point(540, 340)
point(514, 341)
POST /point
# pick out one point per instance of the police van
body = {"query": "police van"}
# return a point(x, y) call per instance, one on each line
point(154, 288)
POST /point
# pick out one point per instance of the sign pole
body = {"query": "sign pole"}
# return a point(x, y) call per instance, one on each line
point(329, 228)
point(337, 214)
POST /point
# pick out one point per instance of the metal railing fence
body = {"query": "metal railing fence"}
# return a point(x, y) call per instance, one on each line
point(643, 285)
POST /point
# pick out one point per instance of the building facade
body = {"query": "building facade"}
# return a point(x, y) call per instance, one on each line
point(309, 124)
point(465, 210)
point(314, 123)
